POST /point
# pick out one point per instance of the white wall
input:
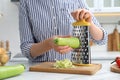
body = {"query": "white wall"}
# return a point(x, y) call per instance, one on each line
point(9, 26)
point(109, 23)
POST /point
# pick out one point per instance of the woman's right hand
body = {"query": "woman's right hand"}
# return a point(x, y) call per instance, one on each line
point(60, 49)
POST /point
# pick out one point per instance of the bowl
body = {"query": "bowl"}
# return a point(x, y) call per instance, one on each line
point(4, 56)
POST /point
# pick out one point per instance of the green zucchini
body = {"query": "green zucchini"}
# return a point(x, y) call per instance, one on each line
point(72, 42)
point(10, 71)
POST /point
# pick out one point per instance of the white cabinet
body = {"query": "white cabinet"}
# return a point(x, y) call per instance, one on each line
point(104, 5)
point(93, 5)
point(110, 6)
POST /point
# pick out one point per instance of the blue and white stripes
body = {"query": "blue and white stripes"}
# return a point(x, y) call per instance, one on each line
point(42, 19)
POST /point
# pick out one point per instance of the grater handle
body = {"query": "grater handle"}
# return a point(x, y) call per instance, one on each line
point(81, 23)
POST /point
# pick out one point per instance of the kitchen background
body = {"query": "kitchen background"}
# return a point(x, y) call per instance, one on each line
point(106, 11)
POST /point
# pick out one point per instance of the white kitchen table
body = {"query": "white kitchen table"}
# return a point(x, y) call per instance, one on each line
point(103, 74)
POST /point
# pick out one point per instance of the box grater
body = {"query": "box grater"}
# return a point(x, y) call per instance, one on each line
point(82, 54)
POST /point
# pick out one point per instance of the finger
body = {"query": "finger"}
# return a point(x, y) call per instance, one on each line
point(58, 48)
point(66, 50)
point(75, 14)
point(62, 47)
point(66, 36)
point(86, 16)
point(81, 14)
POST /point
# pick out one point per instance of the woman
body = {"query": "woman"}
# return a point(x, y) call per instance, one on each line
point(42, 20)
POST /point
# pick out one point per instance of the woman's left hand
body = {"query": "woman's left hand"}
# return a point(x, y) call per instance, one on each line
point(81, 14)
point(60, 49)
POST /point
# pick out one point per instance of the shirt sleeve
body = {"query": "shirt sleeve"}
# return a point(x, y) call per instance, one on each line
point(26, 36)
point(105, 35)
point(83, 4)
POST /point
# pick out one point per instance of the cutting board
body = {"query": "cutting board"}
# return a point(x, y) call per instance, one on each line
point(109, 42)
point(48, 67)
point(115, 68)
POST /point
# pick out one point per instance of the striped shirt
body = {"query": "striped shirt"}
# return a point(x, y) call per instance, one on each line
point(42, 19)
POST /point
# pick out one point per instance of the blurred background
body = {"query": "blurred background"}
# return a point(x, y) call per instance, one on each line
point(106, 11)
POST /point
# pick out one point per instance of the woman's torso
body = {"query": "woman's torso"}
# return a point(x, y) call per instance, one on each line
point(49, 18)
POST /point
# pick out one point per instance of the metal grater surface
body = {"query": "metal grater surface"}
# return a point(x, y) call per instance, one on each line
point(81, 55)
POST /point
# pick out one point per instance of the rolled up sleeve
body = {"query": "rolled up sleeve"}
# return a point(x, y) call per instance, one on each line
point(26, 37)
point(105, 35)
point(95, 21)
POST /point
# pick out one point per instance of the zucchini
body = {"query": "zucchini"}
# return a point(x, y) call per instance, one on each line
point(10, 71)
point(66, 63)
point(72, 42)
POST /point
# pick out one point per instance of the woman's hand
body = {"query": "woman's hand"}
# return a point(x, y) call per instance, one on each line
point(60, 49)
point(81, 14)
